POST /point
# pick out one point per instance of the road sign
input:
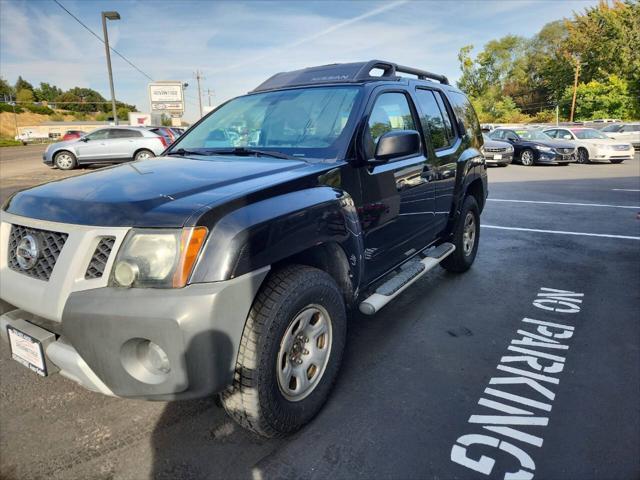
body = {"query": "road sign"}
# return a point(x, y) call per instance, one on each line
point(166, 97)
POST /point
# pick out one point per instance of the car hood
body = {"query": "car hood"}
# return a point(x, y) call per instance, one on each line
point(158, 192)
point(553, 143)
point(496, 144)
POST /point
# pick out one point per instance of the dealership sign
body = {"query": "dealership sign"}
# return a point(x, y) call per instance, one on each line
point(166, 97)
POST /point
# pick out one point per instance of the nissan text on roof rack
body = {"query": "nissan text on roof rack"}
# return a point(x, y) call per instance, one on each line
point(230, 264)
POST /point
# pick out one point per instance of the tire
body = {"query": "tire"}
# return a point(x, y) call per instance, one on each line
point(464, 255)
point(260, 399)
point(65, 160)
point(527, 157)
point(143, 154)
point(583, 156)
point(616, 161)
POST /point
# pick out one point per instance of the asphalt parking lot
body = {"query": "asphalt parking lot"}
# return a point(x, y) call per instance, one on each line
point(416, 397)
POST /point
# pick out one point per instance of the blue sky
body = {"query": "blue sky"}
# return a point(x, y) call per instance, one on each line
point(238, 44)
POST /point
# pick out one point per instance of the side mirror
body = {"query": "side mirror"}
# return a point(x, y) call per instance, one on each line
point(396, 144)
point(84, 139)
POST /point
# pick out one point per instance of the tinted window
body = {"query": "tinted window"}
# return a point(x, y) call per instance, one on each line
point(552, 133)
point(448, 121)
point(98, 134)
point(465, 112)
point(431, 119)
point(509, 135)
point(390, 112)
point(124, 133)
point(497, 134)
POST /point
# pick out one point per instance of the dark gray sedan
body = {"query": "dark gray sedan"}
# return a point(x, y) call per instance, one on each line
point(497, 152)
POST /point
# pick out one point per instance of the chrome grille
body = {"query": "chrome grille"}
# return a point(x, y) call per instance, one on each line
point(495, 150)
point(565, 150)
point(620, 148)
point(49, 244)
point(100, 257)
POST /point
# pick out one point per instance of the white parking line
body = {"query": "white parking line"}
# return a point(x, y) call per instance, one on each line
point(625, 190)
point(560, 232)
point(633, 207)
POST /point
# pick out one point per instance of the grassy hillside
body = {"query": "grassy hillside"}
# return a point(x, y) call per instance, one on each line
point(8, 121)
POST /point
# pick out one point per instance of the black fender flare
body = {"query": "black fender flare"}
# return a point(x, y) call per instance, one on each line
point(471, 166)
point(268, 231)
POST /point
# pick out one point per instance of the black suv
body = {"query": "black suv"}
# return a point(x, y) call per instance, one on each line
point(230, 263)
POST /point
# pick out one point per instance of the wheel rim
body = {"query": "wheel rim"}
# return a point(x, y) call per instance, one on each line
point(582, 156)
point(143, 155)
point(469, 234)
point(304, 353)
point(527, 158)
point(64, 160)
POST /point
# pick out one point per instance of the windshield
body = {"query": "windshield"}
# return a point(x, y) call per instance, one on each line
point(589, 134)
point(308, 122)
point(532, 135)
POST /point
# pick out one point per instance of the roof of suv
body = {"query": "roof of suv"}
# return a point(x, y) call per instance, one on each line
point(358, 72)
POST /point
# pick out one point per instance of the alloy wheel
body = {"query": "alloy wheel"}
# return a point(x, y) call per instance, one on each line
point(469, 234)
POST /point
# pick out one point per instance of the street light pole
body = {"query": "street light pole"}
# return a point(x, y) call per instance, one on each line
point(110, 16)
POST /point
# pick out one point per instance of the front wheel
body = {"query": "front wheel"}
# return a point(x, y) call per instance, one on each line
point(143, 154)
point(527, 158)
point(466, 237)
point(65, 160)
point(290, 352)
point(617, 161)
point(583, 155)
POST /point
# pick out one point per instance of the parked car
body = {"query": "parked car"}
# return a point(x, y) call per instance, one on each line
point(497, 152)
point(232, 269)
point(105, 145)
point(164, 132)
point(610, 127)
point(532, 146)
point(593, 145)
point(629, 132)
point(177, 131)
point(72, 135)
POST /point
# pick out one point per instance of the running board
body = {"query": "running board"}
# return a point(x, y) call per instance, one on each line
point(409, 273)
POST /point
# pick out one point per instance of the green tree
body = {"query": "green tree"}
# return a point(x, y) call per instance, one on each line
point(165, 120)
point(22, 84)
point(24, 96)
point(6, 90)
point(47, 92)
point(595, 99)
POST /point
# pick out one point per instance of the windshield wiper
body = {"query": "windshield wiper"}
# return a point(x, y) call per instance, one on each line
point(254, 151)
point(182, 152)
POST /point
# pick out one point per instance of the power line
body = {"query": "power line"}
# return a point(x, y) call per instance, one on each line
point(101, 39)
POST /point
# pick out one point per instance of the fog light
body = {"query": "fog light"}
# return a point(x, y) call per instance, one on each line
point(125, 273)
point(154, 358)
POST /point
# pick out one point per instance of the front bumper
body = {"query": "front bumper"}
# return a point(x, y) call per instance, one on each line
point(199, 328)
point(553, 158)
point(606, 155)
point(505, 159)
point(91, 331)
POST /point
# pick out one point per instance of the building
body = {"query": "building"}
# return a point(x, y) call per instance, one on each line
point(57, 129)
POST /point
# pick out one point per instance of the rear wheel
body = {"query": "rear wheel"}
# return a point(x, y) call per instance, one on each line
point(527, 158)
point(583, 155)
point(65, 160)
point(143, 154)
point(465, 238)
point(290, 352)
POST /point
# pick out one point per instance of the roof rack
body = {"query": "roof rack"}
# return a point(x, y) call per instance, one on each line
point(345, 73)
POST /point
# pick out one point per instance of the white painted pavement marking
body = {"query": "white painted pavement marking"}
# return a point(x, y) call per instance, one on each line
point(632, 207)
point(625, 190)
point(561, 232)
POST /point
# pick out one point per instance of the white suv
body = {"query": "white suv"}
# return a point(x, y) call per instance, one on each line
point(593, 145)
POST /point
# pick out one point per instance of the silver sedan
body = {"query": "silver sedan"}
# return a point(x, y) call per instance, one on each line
point(105, 145)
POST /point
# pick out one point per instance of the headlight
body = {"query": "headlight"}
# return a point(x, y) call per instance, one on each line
point(509, 149)
point(543, 149)
point(157, 258)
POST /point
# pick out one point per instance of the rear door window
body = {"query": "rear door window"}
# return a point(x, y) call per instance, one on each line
point(432, 119)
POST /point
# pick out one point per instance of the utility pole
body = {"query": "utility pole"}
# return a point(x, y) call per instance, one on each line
point(110, 16)
point(557, 114)
point(198, 78)
point(575, 90)
point(210, 93)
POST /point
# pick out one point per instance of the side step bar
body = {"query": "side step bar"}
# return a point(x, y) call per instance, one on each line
point(409, 273)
